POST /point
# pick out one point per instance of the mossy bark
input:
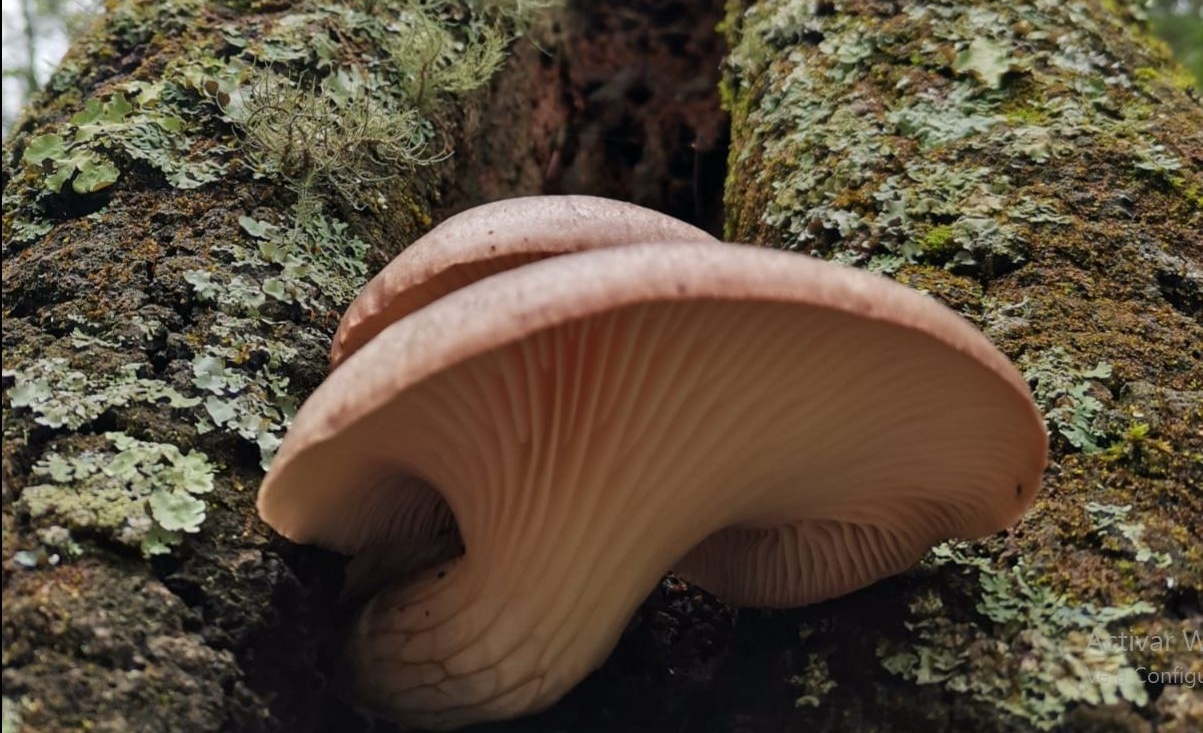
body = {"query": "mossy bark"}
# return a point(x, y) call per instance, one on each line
point(1036, 166)
point(224, 632)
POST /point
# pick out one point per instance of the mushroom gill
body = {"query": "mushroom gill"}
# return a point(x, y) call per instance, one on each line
point(783, 429)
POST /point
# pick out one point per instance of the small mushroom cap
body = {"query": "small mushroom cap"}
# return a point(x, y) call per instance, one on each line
point(592, 418)
point(491, 238)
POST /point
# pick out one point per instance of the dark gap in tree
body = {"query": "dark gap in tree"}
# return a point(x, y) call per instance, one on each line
point(643, 118)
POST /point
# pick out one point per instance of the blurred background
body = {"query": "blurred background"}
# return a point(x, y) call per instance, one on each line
point(38, 32)
point(36, 35)
point(1180, 22)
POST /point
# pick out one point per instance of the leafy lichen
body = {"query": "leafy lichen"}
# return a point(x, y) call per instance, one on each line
point(136, 492)
point(137, 120)
point(1113, 519)
point(1032, 654)
point(61, 397)
point(364, 102)
point(814, 682)
point(315, 265)
point(1011, 160)
point(1065, 394)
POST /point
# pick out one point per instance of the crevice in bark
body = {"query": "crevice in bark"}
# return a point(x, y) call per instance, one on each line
point(643, 119)
point(624, 103)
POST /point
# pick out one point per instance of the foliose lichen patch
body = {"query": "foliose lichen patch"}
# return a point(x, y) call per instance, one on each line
point(136, 492)
point(177, 248)
point(359, 109)
point(1036, 166)
point(1028, 650)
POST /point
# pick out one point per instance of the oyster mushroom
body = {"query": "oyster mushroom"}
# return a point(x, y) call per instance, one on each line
point(491, 238)
point(782, 428)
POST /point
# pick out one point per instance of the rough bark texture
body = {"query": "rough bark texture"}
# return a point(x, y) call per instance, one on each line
point(1034, 164)
point(226, 630)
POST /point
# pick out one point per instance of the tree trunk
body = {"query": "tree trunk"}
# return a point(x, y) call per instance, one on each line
point(1033, 164)
point(169, 320)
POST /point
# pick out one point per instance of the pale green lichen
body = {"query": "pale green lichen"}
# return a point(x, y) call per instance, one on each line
point(345, 143)
point(136, 120)
point(1020, 124)
point(836, 147)
point(1065, 392)
point(1032, 653)
point(814, 683)
point(936, 119)
point(334, 126)
point(319, 262)
point(341, 137)
point(821, 100)
point(345, 133)
point(980, 236)
point(316, 265)
point(164, 123)
point(139, 493)
point(987, 60)
point(1111, 520)
point(368, 86)
point(252, 402)
point(10, 715)
point(1156, 159)
point(59, 539)
point(60, 396)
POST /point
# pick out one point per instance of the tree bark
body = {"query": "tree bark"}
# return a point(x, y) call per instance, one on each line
point(1037, 166)
point(1033, 164)
point(224, 631)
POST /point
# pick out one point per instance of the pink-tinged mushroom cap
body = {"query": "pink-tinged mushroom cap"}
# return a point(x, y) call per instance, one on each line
point(781, 428)
point(491, 238)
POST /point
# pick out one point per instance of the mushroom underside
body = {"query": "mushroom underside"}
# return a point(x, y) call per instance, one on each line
point(585, 460)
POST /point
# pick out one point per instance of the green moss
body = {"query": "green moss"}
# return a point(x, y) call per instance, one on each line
point(1145, 73)
point(938, 240)
point(1193, 192)
point(1027, 114)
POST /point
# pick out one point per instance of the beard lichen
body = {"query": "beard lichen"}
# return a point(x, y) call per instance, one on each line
point(352, 118)
point(338, 103)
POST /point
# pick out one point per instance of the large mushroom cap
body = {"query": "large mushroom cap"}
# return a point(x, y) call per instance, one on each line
point(593, 418)
point(491, 238)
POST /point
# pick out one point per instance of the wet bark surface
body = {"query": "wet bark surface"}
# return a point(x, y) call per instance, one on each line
point(859, 132)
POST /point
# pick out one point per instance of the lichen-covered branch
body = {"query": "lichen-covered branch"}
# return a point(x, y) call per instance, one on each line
point(203, 185)
point(1037, 165)
point(188, 207)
